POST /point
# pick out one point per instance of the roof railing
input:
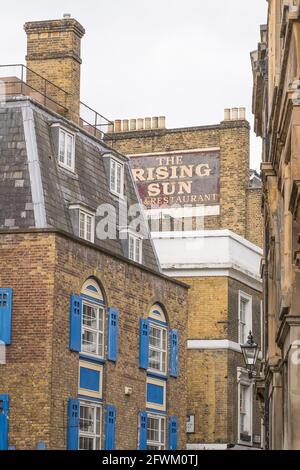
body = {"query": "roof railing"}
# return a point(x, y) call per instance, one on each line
point(19, 80)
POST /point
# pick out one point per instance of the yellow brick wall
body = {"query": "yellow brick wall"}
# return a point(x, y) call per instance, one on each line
point(208, 307)
point(255, 224)
point(207, 395)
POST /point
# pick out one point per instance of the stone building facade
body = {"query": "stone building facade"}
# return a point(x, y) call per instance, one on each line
point(204, 208)
point(92, 334)
point(276, 111)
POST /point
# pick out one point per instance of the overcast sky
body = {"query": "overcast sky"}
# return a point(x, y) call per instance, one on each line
point(185, 59)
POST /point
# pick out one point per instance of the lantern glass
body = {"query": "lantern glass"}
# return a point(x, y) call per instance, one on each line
point(250, 352)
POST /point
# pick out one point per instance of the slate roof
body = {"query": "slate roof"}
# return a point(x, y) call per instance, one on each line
point(31, 185)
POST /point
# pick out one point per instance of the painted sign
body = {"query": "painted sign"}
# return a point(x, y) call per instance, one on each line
point(179, 179)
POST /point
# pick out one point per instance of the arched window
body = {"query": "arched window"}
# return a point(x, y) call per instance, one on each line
point(93, 319)
point(158, 340)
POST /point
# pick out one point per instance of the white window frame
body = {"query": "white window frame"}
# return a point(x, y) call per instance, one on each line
point(248, 320)
point(86, 214)
point(113, 186)
point(162, 370)
point(64, 163)
point(161, 444)
point(94, 435)
point(244, 381)
point(101, 310)
point(137, 257)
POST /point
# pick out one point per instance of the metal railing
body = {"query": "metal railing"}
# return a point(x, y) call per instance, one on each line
point(93, 122)
point(19, 80)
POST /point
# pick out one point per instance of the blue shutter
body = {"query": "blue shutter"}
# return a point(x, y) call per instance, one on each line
point(112, 346)
point(174, 353)
point(4, 406)
point(41, 446)
point(73, 424)
point(75, 323)
point(173, 433)
point(110, 427)
point(5, 315)
point(143, 430)
point(144, 343)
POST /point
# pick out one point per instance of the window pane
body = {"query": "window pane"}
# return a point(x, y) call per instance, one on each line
point(137, 250)
point(89, 341)
point(81, 225)
point(62, 145)
point(154, 360)
point(164, 339)
point(86, 443)
point(69, 150)
point(93, 330)
point(155, 337)
point(119, 178)
point(155, 433)
point(90, 316)
point(163, 361)
point(113, 175)
point(86, 422)
point(157, 349)
point(131, 248)
point(90, 427)
point(88, 227)
point(101, 319)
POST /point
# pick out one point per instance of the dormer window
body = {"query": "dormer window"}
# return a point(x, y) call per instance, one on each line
point(135, 248)
point(83, 221)
point(86, 226)
point(66, 150)
point(116, 177)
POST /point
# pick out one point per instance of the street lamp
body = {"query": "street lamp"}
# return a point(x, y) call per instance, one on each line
point(250, 352)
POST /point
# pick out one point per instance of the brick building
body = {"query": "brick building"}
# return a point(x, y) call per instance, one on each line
point(277, 118)
point(92, 333)
point(204, 209)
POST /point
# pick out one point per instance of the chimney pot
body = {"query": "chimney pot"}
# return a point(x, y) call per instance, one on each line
point(140, 124)
point(118, 125)
point(227, 114)
point(234, 114)
point(67, 15)
point(162, 122)
point(133, 124)
point(242, 114)
point(148, 123)
point(125, 125)
point(155, 122)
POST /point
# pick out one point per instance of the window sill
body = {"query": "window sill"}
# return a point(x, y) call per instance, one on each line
point(86, 357)
point(117, 195)
point(158, 375)
point(85, 239)
point(71, 173)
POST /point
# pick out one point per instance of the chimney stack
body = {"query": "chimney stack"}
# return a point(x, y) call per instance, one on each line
point(140, 124)
point(235, 114)
point(54, 52)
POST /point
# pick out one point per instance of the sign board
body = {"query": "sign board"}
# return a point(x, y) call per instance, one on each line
point(190, 424)
point(178, 179)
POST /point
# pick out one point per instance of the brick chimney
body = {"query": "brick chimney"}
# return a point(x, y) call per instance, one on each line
point(54, 52)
